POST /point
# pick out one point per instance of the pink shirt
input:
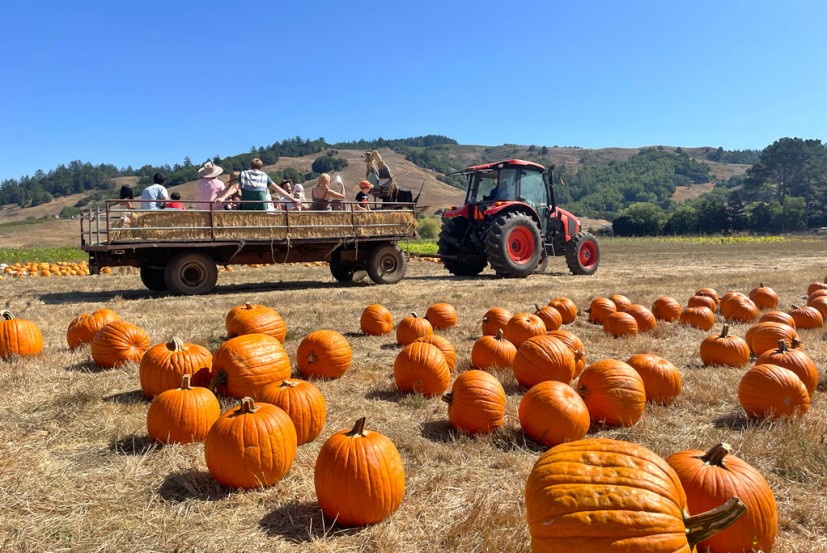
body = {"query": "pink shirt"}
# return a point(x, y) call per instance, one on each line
point(208, 190)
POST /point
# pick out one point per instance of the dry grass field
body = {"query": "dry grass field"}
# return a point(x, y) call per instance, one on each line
point(80, 474)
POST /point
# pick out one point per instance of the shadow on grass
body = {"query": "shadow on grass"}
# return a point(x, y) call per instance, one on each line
point(392, 345)
point(736, 420)
point(191, 484)
point(128, 398)
point(302, 522)
point(439, 431)
point(391, 396)
point(135, 445)
point(87, 367)
point(513, 439)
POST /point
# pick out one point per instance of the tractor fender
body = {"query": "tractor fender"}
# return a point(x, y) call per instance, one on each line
point(571, 225)
point(461, 211)
point(501, 208)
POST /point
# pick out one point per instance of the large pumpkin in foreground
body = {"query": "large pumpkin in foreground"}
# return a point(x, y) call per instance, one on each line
point(84, 327)
point(163, 366)
point(243, 365)
point(613, 391)
point(359, 477)
point(476, 403)
point(609, 496)
point(117, 343)
point(183, 415)
point(324, 354)
point(19, 336)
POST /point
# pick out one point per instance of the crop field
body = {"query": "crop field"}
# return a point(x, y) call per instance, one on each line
point(79, 472)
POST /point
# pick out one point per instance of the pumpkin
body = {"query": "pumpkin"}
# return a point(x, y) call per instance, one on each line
point(794, 360)
point(493, 352)
point(376, 320)
point(576, 346)
point(183, 415)
point(543, 358)
point(764, 297)
point(770, 391)
point(705, 301)
point(661, 380)
point(613, 392)
point(813, 286)
point(666, 309)
point(163, 366)
point(700, 317)
point(84, 327)
point(552, 413)
point(550, 316)
point(442, 315)
point(601, 495)
point(18, 336)
point(523, 326)
point(495, 320)
point(708, 292)
point(729, 296)
point(710, 478)
point(243, 365)
point(324, 354)
point(422, 368)
point(724, 350)
point(251, 445)
point(566, 307)
point(646, 321)
point(820, 304)
point(476, 403)
point(777, 317)
point(621, 302)
point(304, 404)
point(359, 477)
point(599, 309)
point(739, 309)
point(806, 317)
point(412, 327)
point(444, 346)
point(252, 318)
point(118, 342)
point(817, 294)
point(765, 336)
point(620, 324)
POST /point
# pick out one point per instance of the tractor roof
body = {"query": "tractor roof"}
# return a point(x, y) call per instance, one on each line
point(509, 162)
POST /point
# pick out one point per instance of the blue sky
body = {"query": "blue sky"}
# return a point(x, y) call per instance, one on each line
point(132, 83)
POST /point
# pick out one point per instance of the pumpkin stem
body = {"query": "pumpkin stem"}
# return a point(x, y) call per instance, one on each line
point(448, 398)
point(414, 315)
point(724, 331)
point(715, 455)
point(185, 382)
point(704, 525)
point(219, 379)
point(248, 405)
point(287, 384)
point(782, 346)
point(794, 307)
point(536, 308)
point(794, 343)
point(358, 428)
point(176, 344)
point(500, 334)
point(6, 315)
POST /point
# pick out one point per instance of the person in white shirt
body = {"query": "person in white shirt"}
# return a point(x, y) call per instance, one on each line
point(154, 196)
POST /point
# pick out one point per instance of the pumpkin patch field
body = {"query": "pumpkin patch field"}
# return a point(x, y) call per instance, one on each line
point(398, 418)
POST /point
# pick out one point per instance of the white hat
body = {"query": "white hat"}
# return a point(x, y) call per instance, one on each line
point(209, 170)
point(298, 188)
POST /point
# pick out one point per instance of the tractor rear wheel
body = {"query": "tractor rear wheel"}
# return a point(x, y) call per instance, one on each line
point(513, 245)
point(153, 278)
point(458, 261)
point(190, 274)
point(583, 254)
point(346, 272)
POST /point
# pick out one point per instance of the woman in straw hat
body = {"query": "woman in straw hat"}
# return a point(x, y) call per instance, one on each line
point(209, 187)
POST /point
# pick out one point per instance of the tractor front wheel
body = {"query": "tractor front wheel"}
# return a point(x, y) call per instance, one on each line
point(583, 254)
point(513, 245)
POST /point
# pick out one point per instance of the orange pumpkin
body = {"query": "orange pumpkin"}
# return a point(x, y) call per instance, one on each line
point(566, 308)
point(661, 380)
point(18, 336)
point(813, 286)
point(817, 294)
point(552, 413)
point(666, 309)
point(163, 366)
point(700, 317)
point(724, 350)
point(476, 403)
point(702, 301)
point(422, 368)
point(412, 327)
point(599, 309)
point(765, 336)
point(359, 477)
point(251, 445)
point(444, 346)
point(183, 415)
point(376, 320)
point(442, 315)
point(576, 346)
point(621, 302)
point(304, 404)
point(613, 391)
point(764, 297)
point(644, 318)
point(244, 365)
point(550, 316)
point(806, 317)
point(523, 326)
point(495, 320)
point(252, 318)
point(795, 360)
point(493, 352)
point(324, 354)
point(740, 309)
point(777, 317)
point(620, 324)
point(119, 342)
point(84, 327)
point(542, 358)
point(820, 304)
point(770, 391)
point(708, 292)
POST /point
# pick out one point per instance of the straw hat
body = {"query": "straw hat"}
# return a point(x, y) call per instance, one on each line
point(209, 170)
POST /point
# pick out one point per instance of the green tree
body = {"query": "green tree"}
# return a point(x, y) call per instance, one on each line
point(683, 220)
point(640, 219)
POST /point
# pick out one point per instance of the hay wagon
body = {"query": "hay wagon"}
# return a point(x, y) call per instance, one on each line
point(179, 251)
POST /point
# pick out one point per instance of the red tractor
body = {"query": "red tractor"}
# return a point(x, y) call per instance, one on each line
point(511, 221)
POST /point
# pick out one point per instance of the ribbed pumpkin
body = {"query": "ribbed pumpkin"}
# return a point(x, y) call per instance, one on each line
point(183, 415)
point(700, 317)
point(763, 337)
point(84, 327)
point(820, 304)
point(613, 392)
point(18, 336)
point(359, 477)
point(645, 319)
point(740, 309)
point(252, 318)
point(795, 360)
point(476, 403)
point(422, 368)
point(729, 296)
point(770, 391)
point(442, 315)
point(304, 404)
point(661, 380)
point(119, 342)
point(542, 358)
point(724, 350)
point(566, 307)
point(493, 352)
point(552, 413)
point(523, 326)
point(776, 316)
point(550, 317)
point(376, 320)
point(817, 294)
point(666, 309)
point(620, 324)
point(163, 366)
point(764, 297)
point(711, 292)
point(601, 495)
point(813, 286)
point(324, 354)
point(699, 301)
point(576, 346)
point(495, 320)
point(599, 309)
point(243, 365)
point(710, 479)
point(412, 327)
point(806, 317)
point(621, 302)
point(251, 445)
point(444, 345)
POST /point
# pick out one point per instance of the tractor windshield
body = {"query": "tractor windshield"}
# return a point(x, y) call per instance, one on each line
point(491, 186)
